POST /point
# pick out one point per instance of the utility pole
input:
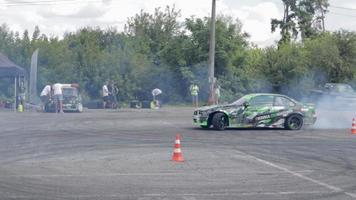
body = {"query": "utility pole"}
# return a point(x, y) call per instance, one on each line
point(33, 78)
point(322, 14)
point(211, 61)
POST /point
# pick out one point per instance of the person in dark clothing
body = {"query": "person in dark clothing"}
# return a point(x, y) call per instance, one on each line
point(113, 91)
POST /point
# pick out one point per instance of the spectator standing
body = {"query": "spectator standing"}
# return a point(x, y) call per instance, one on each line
point(21, 96)
point(58, 97)
point(105, 95)
point(45, 96)
point(194, 91)
point(155, 104)
point(217, 93)
point(113, 91)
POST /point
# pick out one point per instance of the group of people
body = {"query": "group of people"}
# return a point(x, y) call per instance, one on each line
point(109, 93)
point(54, 92)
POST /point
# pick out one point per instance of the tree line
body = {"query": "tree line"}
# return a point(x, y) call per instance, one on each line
point(158, 50)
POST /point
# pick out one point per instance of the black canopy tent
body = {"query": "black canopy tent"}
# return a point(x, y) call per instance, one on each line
point(11, 70)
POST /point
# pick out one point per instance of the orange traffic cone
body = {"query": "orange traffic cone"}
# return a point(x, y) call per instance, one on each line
point(353, 128)
point(177, 153)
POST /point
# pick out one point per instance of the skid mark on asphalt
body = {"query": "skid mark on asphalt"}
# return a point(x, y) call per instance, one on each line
point(135, 174)
point(325, 185)
point(89, 175)
point(185, 196)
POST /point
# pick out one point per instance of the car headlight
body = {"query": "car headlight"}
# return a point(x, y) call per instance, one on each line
point(203, 113)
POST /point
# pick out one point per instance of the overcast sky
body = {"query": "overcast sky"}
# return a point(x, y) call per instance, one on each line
point(54, 17)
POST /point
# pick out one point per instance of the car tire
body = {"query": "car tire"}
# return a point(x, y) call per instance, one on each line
point(80, 108)
point(220, 121)
point(294, 122)
point(204, 127)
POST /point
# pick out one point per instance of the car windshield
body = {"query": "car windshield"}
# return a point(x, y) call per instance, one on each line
point(70, 92)
point(239, 102)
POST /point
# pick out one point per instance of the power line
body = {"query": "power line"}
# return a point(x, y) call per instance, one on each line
point(331, 6)
point(331, 12)
point(341, 14)
point(339, 7)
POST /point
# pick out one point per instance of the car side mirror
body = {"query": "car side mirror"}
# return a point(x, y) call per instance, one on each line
point(246, 104)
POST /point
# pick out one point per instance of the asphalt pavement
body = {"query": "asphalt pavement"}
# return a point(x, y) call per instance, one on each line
point(126, 154)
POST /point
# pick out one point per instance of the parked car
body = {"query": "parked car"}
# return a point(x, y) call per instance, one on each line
point(257, 110)
point(72, 101)
point(334, 96)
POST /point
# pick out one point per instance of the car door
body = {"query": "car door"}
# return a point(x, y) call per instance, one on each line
point(281, 104)
point(258, 107)
point(280, 109)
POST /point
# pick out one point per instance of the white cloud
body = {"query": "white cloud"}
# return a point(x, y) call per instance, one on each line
point(2, 7)
point(61, 18)
point(339, 18)
point(64, 9)
point(198, 8)
point(256, 21)
point(15, 27)
point(255, 15)
point(31, 17)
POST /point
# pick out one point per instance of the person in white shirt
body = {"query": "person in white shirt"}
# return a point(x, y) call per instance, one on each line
point(217, 93)
point(58, 96)
point(155, 104)
point(105, 94)
point(45, 96)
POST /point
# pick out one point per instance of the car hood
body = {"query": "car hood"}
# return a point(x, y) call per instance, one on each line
point(217, 107)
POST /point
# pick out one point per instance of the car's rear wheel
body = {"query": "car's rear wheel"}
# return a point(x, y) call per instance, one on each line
point(80, 108)
point(220, 121)
point(294, 122)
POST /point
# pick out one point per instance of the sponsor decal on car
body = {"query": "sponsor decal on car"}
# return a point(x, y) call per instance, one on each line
point(263, 117)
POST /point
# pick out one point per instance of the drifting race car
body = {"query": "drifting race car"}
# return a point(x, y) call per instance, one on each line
point(72, 101)
point(257, 110)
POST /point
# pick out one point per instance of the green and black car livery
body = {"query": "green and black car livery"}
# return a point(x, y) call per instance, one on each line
point(257, 110)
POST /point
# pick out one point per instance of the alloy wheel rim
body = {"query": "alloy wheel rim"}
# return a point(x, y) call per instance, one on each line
point(222, 122)
point(294, 123)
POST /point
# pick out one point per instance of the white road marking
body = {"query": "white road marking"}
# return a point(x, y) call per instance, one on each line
point(328, 186)
point(239, 193)
point(90, 175)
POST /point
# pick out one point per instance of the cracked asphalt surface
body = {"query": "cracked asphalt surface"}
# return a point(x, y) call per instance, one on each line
point(125, 154)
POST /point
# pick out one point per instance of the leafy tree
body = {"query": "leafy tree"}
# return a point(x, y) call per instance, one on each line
point(287, 25)
point(310, 14)
point(323, 59)
point(154, 31)
point(304, 17)
point(158, 51)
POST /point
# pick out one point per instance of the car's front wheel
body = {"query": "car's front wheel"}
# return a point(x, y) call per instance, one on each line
point(220, 121)
point(294, 122)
